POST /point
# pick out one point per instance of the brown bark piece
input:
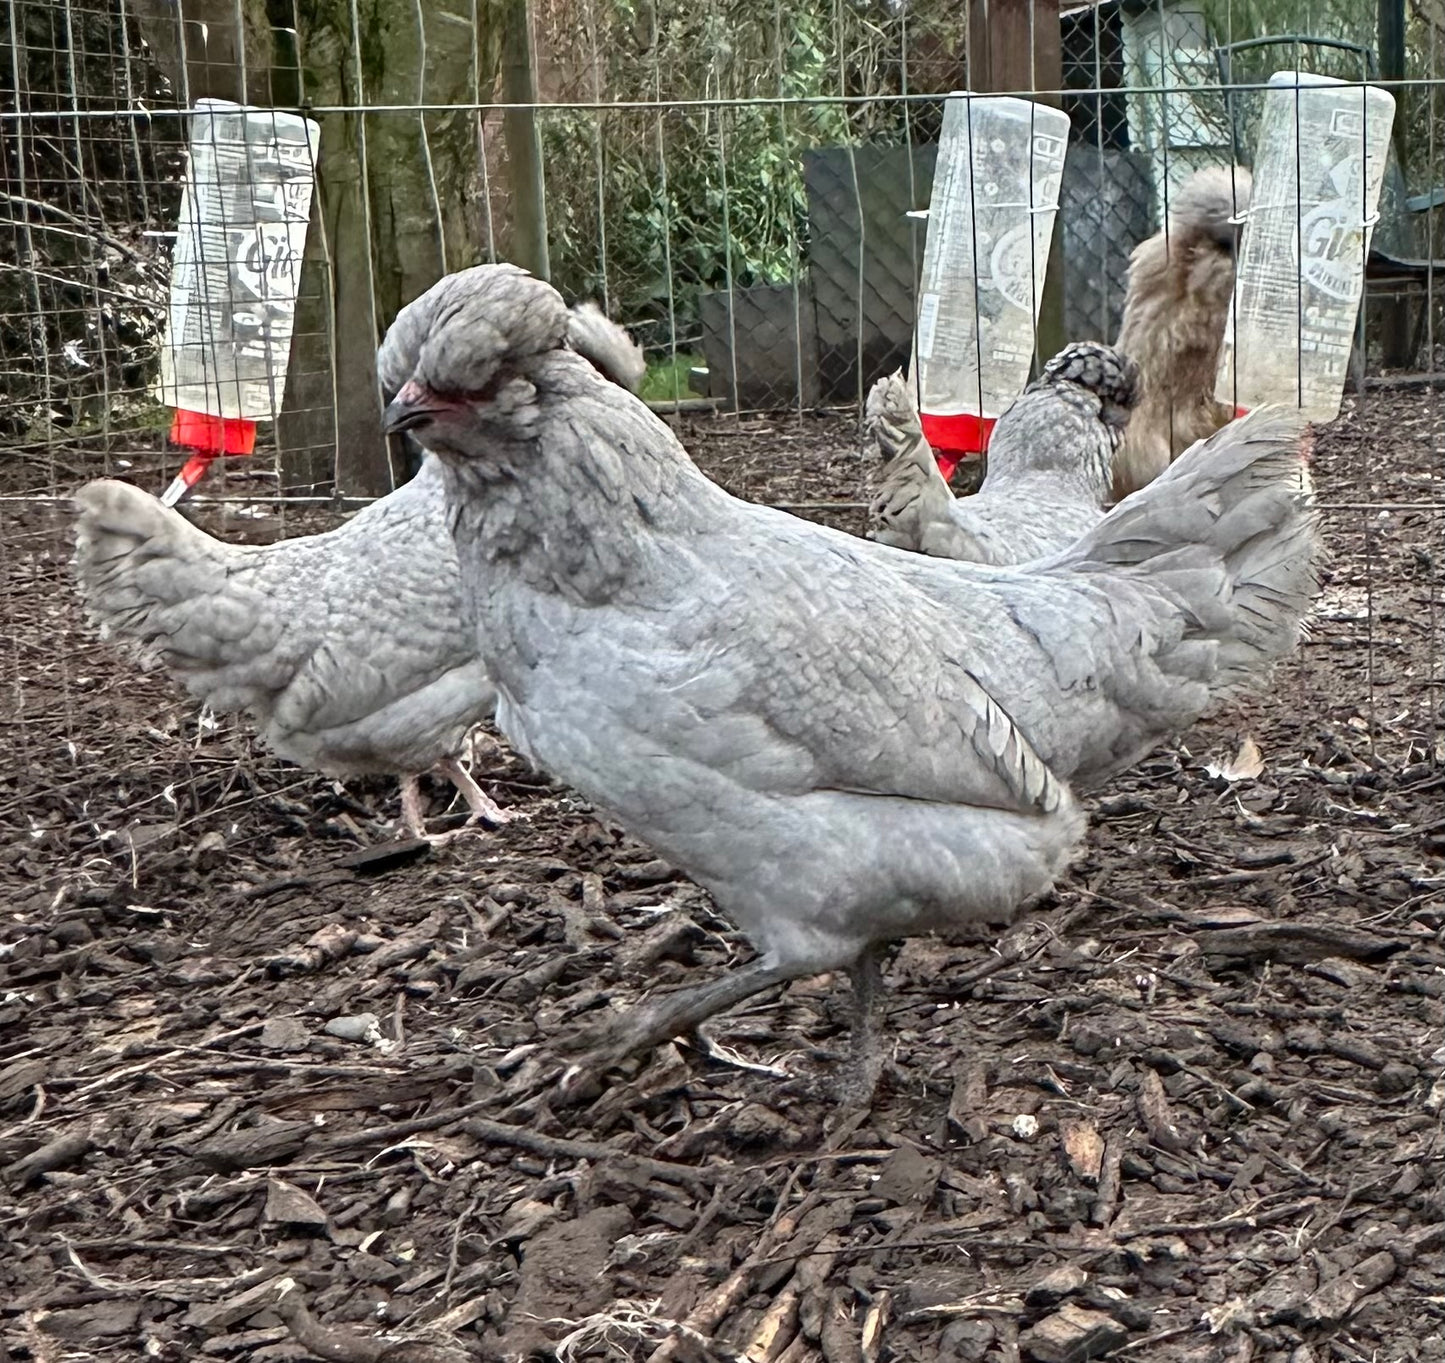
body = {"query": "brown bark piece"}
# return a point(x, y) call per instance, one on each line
point(1054, 1286)
point(1084, 1147)
point(1334, 1300)
point(253, 1148)
point(286, 1204)
point(1296, 943)
point(907, 1177)
point(56, 1154)
point(1154, 1113)
point(563, 1277)
point(1071, 1335)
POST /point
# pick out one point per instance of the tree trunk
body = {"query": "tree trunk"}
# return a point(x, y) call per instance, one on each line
point(524, 143)
point(397, 196)
point(200, 47)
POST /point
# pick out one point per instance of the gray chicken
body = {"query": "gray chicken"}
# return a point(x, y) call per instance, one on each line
point(349, 648)
point(1049, 464)
point(838, 764)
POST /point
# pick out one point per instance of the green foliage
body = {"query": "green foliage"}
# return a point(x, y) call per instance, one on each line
point(1419, 130)
point(690, 198)
point(666, 379)
point(1233, 21)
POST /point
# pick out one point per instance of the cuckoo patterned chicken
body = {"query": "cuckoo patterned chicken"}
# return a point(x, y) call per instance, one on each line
point(1050, 462)
point(348, 648)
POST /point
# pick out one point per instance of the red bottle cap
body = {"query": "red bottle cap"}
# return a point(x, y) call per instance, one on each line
point(210, 436)
point(956, 438)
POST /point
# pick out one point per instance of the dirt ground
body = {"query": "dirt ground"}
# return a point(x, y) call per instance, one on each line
point(1188, 1110)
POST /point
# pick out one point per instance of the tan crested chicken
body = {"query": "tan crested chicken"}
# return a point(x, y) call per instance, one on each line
point(1176, 307)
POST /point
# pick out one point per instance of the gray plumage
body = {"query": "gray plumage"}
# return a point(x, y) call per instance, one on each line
point(349, 648)
point(842, 742)
point(1182, 594)
point(1049, 464)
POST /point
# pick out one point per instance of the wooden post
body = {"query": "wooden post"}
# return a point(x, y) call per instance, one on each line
point(1390, 38)
point(1014, 47)
point(524, 144)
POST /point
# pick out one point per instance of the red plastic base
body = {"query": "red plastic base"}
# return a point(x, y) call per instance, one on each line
point(956, 438)
point(213, 434)
point(1240, 411)
point(210, 436)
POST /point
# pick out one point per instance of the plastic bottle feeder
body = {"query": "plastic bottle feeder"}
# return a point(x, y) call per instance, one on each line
point(1318, 168)
point(235, 274)
point(990, 220)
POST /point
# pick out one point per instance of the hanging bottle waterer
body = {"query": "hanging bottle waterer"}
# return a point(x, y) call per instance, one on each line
point(990, 220)
point(1318, 168)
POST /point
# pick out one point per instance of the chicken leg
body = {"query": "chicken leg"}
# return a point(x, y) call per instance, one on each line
point(653, 1022)
point(483, 807)
point(867, 1053)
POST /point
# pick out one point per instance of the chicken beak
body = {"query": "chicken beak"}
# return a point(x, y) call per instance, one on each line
point(412, 407)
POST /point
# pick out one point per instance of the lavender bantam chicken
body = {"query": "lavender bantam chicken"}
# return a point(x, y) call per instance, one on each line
point(349, 648)
point(839, 767)
point(1176, 306)
point(1050, 462)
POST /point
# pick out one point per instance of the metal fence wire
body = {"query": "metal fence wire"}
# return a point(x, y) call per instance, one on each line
point(735, 187)
point(732, 180)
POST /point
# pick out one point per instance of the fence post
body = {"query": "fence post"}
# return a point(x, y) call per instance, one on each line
point(1390, 38)
point(524, 143)
point(1015, 47)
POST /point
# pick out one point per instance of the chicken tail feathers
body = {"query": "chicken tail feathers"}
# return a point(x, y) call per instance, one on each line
point(147, 576)
point(890, 417)
point(613, 353)
point(912, 492)
point(1230, 532)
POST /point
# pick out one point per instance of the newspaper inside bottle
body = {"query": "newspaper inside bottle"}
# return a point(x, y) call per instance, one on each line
point(1318, 168)
point(236, 270)
point(990, 220)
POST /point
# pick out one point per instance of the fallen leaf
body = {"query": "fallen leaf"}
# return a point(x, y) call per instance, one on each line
point(1084, 1147)
point(1246, 765)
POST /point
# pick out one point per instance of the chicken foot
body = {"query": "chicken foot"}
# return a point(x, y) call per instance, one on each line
point(484, 808)
point(658, 1020)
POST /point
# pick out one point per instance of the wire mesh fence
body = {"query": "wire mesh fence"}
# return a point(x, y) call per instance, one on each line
point(1243, 971)
point(733, 181)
